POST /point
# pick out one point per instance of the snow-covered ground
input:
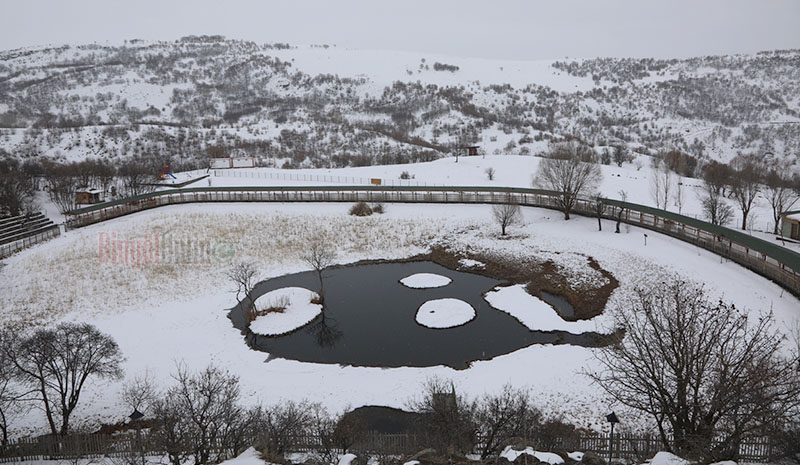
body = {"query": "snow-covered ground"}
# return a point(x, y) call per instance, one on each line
point(174, 310)
point(634, 179)
point(445, 313)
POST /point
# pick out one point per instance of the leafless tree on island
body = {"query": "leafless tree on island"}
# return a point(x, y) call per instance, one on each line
point(244, 275)
point(319, 254)
point(563, 171)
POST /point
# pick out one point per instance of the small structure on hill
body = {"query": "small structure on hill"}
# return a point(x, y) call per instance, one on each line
point(467, 151)
point(790, 224)
point(233, 162)
point(86, 195)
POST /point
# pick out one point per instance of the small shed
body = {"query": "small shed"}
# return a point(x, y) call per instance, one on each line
point(790, 224)
point(472, 150)
point(86, 195)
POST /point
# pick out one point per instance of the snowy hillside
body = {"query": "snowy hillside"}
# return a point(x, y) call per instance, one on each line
point(321, 106)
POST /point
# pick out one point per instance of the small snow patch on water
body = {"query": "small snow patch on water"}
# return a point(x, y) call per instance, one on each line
point(425, 281)
point(445, 313)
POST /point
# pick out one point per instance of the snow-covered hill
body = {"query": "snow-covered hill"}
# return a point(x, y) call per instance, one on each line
point(320, 106)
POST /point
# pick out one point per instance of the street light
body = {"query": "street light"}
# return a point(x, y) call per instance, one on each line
point(611, 418)
point(136, 417)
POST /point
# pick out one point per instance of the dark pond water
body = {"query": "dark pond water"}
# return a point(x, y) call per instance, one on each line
point(559, 303)
point(369, 320)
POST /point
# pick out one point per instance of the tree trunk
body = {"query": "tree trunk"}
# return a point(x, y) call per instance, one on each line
point(48, 412)
point(321, 289)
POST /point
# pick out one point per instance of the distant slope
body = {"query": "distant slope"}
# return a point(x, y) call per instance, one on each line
point(320, 106)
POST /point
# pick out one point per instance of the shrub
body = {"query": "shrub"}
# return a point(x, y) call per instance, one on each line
point(377, 208)
point(405, 175)
point(361, 209)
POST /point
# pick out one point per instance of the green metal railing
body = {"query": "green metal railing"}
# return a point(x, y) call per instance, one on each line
point(771, 260)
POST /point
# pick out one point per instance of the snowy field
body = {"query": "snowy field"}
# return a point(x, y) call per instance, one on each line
point(510, 171)
point(174, 310)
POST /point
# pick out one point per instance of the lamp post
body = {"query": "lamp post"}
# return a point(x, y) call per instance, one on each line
point(136, 417)
point(611, 418)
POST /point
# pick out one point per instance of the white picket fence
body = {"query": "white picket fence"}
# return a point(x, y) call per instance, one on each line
point(322, 178)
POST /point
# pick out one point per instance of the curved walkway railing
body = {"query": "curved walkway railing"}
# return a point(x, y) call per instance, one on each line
point(770, 260)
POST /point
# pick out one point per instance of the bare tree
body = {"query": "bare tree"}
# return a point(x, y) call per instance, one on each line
point(712, 199)
point(563, 171)
point(700, 368)
point(170, 433)
point(322, 426)
point(599, 206)
point(17, 190)
point(140, 393)
point(782, 195)
point(12, 394)
point(62, 182)
point(717, 176)
point(623, 196)
point(319, 255)
point(679, 195)
point(448, 418)
point(506, 215)
point(661, 180)
point(490, 173)
point(244, 275)
point(620, 154)
point(207, 404)
point(501, 417)
point(746, 184)
point(137, 176)
point(281, 425)
point(56, 362)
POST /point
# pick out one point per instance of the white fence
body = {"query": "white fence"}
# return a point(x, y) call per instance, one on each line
point(322, 178)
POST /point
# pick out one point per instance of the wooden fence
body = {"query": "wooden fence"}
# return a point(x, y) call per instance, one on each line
point(770, 260)
point(627, 447)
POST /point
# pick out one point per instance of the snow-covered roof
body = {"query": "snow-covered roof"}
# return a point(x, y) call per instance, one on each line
point(86, 190)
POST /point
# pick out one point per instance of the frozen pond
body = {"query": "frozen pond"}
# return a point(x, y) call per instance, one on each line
point(369, 320)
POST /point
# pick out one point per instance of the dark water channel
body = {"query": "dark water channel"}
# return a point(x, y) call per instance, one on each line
point(369, 320)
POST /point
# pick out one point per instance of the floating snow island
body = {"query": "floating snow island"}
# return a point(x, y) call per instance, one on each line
point(284, 310)
point(445, 313)
point(425, 281)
